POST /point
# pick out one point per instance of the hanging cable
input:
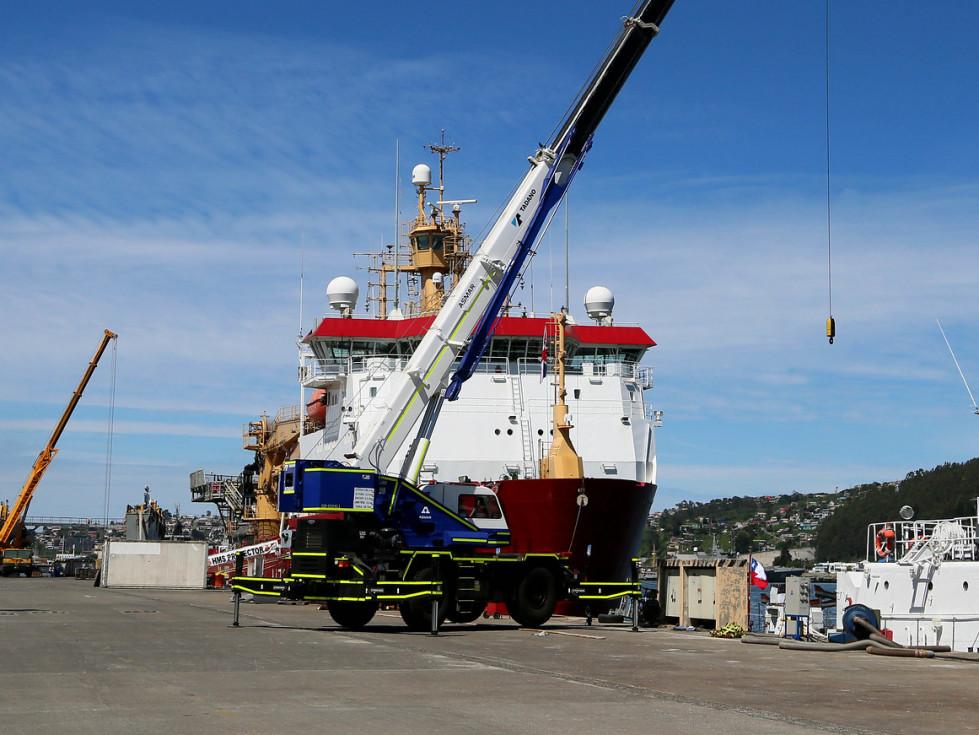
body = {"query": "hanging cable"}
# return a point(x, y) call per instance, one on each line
point(830, 322)
point(108, 448)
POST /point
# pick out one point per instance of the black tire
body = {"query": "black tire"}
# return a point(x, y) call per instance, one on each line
point(351, 613)
point(458, 617)
point(533, 600)
point(417, 614)
point(649, 612)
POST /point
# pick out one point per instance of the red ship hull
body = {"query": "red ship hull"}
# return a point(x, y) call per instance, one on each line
point(544, 517)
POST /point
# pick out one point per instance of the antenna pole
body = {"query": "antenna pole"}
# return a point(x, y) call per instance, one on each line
point(397, 221)
point(957, 366)
point(567, 256)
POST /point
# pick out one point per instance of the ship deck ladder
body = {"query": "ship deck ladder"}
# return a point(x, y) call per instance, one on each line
point(528, 464)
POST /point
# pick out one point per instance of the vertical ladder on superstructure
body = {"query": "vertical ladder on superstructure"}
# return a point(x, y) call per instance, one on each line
point(528, 465)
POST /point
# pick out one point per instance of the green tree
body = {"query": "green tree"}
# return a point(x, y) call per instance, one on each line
point(784, 558)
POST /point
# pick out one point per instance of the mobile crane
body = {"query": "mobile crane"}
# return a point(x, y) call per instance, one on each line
point(13, 542)
point(371, 535)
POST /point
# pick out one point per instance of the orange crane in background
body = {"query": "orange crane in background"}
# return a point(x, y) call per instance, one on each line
point(17, 558)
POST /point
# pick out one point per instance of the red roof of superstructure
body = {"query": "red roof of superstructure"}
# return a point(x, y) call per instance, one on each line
point(509, 326)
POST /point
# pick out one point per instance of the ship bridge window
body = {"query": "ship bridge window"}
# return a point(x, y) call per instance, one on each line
point(429, 242)
point(600, 355)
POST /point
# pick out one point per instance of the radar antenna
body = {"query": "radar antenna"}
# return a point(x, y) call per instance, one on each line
point(959, 368)
point(443, 151)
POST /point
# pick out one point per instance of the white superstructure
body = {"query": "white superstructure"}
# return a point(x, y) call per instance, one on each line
point(928, 591)
point(501, 424)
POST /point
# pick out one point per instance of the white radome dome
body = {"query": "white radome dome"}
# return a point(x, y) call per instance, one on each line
point(599, 302)
point(421, 175)
point(342, 293)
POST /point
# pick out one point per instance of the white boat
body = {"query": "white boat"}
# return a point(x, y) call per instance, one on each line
point(922, 578)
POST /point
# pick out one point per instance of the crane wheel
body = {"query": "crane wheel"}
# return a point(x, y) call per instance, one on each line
point(417, 614)
point(352, 613)
point(533, 600)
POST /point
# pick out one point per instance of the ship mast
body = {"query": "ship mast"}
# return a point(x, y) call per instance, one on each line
point(438, 247)
point(562, 461)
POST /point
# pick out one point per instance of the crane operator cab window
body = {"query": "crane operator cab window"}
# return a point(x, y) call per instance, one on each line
point(479, 506)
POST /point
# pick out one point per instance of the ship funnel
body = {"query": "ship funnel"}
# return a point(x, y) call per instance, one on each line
point(599, 302)
point(421, 175)
point(342, 293)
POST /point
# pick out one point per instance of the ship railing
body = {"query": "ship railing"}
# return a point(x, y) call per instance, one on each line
point(923, 541)
point(591, 368)
point(287, 413)
point(318, 372)
point(645, 373)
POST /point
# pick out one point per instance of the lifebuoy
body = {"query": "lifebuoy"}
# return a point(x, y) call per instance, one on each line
point(885, 542)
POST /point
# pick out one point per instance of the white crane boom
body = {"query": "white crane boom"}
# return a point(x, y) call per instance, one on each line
point(478, 295)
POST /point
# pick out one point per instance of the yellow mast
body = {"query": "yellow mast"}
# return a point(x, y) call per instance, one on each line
point(562, 461)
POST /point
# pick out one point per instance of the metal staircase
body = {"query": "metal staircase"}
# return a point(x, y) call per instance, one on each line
point(225, 491)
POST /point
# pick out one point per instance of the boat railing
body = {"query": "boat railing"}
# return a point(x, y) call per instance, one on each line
point(645, 373)
point(592, 369)
point(317, 372)
point(916, 541)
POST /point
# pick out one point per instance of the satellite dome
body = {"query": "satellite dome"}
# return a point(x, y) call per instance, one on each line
point(599, 302)
point(342, 293)
point(421, 175)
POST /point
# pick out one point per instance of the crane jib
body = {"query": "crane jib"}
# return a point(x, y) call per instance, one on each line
point(555, 185)
point(463, 326)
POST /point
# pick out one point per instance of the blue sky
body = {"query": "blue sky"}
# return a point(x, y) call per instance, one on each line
point(160, 166)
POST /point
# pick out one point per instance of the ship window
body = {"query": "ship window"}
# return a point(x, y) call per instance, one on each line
point(423, 242)
point(479, 506)
point(498, 348)
point(436, 242)
point(577, 393)
point(373, 391)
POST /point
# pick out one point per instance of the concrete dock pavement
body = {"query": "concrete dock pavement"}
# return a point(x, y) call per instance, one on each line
point(79, 659)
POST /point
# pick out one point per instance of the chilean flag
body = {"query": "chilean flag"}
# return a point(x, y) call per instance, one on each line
point(757, 572)
point(543, 358)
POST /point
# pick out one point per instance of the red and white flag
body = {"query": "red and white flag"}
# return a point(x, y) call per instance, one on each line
point(543, 358)
point(758, 577)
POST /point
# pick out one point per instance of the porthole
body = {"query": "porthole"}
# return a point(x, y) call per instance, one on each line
point(887, 585)
point(540, 432)
point(497, 432)
point(931, 586)
point(509, 432)
point(965, 586)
